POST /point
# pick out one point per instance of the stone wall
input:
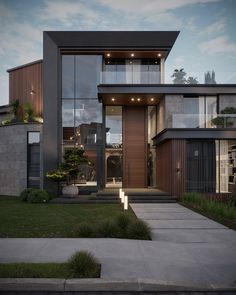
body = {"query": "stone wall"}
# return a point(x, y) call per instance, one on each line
point(13, 157)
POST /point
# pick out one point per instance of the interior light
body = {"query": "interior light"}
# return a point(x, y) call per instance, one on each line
point(156, 62)
point(108, 62)
point(108, 55)
point(159, 55)
point(138, 99)
point(132, 54)
point(113, 99)
point(132, 99)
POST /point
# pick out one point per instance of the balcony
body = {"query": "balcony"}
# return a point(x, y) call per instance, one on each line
point(201, 121)
point(126, 77)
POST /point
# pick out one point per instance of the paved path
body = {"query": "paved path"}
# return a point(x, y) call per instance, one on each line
point(181, 254)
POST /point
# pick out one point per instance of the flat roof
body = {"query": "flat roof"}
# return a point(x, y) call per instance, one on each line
point(114, 39)
point(25, 65)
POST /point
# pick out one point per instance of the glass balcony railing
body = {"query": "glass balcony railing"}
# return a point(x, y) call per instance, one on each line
point(130, 77)
point(176, 77)
point(201, 121)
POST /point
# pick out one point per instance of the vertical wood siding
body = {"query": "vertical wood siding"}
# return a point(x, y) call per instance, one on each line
point(25, 79)
point(171, 166)
point(134, 147)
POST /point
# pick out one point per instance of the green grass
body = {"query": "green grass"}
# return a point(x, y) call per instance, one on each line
point(224, 213)
point(24, 220)
point(42, 270)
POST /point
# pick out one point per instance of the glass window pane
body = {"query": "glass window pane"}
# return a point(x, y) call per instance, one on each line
point(68, 78)
point(114, 126)
point(68, 120)
point(88, 122)
point(33, 137)
point(88, 68)
point(211, 110)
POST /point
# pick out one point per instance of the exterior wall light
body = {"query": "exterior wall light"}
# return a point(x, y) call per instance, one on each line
point(178, 170)
point(32, 92)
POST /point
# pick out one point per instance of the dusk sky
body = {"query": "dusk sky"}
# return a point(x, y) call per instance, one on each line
point(207, 39)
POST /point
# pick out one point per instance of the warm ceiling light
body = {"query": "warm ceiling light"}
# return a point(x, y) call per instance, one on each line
point(138, 99)
point(108, 55)
point(159, 55)
point(132, 99)
point(152, 99)
point(132, 54)
point(113, 99)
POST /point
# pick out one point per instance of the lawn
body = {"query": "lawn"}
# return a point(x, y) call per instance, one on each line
point(224, 213)
point(24, 220)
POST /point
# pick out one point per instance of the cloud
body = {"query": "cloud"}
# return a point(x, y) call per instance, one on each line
point(152, 6)
point(216, 28)
point(219, 45)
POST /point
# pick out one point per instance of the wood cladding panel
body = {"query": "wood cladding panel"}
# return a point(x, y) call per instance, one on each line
point(134, 147)
point(25, 79)
point(171, 166)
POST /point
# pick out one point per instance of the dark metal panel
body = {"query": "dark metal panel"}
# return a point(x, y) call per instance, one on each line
point(52, 117)
point(194, 133)
point(111, 39)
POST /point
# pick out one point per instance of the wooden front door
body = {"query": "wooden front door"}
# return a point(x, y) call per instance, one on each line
point(134, 147)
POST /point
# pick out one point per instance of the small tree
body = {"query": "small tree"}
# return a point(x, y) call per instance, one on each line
point(192, 80)
point(29, 112)
point(179, 76)
point(16, 110)
point(221, 121)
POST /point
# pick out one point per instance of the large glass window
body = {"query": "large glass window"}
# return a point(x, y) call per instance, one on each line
point(113, 155)
point(114, 126)
point(211, 166)
point(80, 75)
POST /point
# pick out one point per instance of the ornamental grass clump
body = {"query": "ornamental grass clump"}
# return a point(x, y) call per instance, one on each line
point(38, 196)
point(86, 230)
point(138, 230)
point(83, 264)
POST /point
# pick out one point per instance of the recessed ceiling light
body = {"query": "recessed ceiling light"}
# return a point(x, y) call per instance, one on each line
point(152, 99)
point(132, 54)
point(108, 62)
point(113, 99)
point(130, 62)
point(132, 99)
point(156, 62)
point(108, 55)
point(159, 55)
point(138, 99)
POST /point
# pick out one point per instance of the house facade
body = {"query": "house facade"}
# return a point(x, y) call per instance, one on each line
point(106, 93)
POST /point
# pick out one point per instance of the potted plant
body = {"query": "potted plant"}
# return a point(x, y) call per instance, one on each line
point(69, 170)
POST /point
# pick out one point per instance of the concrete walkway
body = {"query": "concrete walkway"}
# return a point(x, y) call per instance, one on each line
point(188, 250)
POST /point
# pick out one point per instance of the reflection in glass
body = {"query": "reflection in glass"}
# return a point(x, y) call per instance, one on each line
point(114, 126)
point(68, 78)
point(88, 68)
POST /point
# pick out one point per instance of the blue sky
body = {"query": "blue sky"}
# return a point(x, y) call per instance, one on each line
point(207, 40)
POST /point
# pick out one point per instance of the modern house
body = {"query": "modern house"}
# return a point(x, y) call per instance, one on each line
point(106, 93)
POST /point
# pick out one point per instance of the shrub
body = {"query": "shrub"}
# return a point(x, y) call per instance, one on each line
point(122, 221)
point(107, 229)
point(85, 230)
point(233, 200)
point(38, 196)
point(84, 265)
point(192, 197)
point(25, 193)
point(139, 230)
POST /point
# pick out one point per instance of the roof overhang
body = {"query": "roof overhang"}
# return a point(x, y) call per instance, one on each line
point(124, 92)
point(194, 133)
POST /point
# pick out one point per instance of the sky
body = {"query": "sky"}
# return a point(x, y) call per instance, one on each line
point(207, 39)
